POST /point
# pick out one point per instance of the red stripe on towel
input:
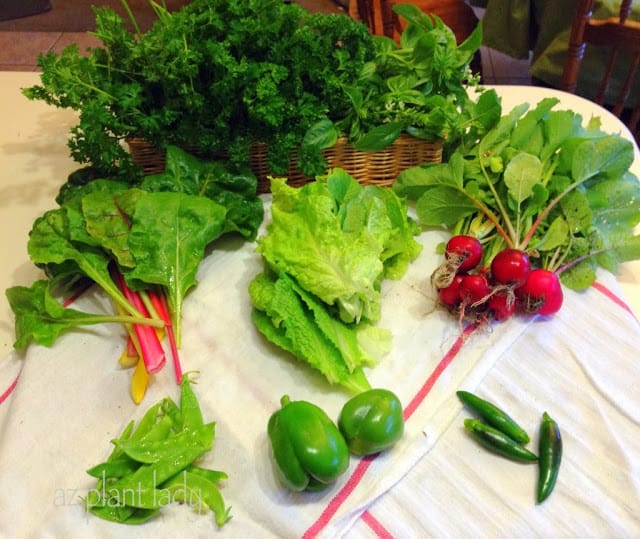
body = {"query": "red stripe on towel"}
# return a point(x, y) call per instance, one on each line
point(9, 390)
point(611, 295)
point(357, 475)
point(376, 526)
point(444, 363)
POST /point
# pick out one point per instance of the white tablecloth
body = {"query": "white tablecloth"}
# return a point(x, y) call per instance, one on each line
point(59, 407)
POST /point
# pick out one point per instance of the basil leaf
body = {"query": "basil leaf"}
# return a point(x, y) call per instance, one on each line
point(379, 137)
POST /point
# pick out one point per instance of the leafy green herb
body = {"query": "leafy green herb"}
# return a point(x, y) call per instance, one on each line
point(418, 86)
point(218, 75)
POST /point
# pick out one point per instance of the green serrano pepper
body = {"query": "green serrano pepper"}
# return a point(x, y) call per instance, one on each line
point(494, 416)
point(498, 442)
point(550, 451)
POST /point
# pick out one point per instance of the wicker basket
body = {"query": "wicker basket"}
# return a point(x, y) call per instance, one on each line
point(380, 168)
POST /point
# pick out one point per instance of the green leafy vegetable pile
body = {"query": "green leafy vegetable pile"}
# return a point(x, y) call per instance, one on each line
point(216, 76)
point(219, 76)
point(140, 244)
point(418, 86)
point(539, 189)
point(153, 464)
point(328, 247)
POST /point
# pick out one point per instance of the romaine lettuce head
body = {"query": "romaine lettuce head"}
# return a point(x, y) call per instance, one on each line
point(338, 240)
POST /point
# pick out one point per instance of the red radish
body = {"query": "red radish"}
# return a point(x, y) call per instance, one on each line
point(464, 251)
point(502, 305)
point(450, 295)
point(511, 267)
point(542, 292)
point(474, 288)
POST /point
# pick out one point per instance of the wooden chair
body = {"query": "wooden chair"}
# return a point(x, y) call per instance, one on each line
point(621, 36)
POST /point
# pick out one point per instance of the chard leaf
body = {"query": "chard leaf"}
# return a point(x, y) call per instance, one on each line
point(37, 319)
point(108, 220)
point(41, 319)
point(231, 187)
point(168, 237)
point(444, 206)
point(50, 243)
point(521, 174)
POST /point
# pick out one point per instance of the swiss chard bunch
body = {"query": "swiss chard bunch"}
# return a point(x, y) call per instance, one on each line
point(545, 195)
point(327, 249)
point(141, 245)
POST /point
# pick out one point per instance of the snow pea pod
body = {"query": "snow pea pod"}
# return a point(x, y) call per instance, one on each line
point(139, 489)
point(307, 448)
point(215, 476)
point(371, 421)
point(189, 405)
point(114, 468)
point(196, 490)
point(550, 453)
point(498, 442)
point(494, 416)
point(150, 451)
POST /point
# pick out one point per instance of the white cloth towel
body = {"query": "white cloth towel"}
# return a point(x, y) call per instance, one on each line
point(60, 406)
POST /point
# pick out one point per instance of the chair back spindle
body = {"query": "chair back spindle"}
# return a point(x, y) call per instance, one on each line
point(621, 37)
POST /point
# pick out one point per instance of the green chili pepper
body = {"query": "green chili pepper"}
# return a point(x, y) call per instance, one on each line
point(498, 442)
point(307, 447)
point(550, 451)
point(371, 421)
point(494, 416)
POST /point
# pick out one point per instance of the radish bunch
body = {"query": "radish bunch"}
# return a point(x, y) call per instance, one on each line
point(532, 197)
point(509, 283)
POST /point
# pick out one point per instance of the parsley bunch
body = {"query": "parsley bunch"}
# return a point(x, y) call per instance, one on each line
point(218, 75)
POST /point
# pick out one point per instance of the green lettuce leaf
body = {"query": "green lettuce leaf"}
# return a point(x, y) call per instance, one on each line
point(338, 240)
point(302, 325)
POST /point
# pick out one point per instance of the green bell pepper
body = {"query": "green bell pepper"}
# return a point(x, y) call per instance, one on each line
point(307, 447)
point(372, 421)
